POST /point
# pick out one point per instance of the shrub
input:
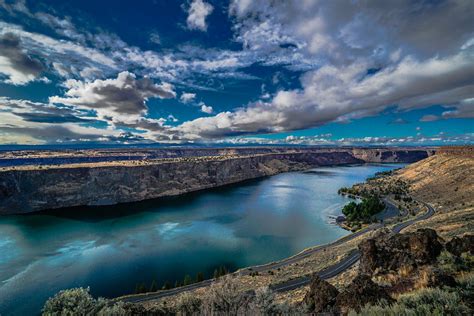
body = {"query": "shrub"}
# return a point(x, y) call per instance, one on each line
point(264, 302)
point(118, 309)
point(430, 301)
point(466, 284)
point(76, 301)
point(188, 304)
point(223, 297)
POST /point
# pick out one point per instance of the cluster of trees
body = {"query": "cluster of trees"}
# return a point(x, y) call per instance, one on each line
point(143, 288)
point(363, 211)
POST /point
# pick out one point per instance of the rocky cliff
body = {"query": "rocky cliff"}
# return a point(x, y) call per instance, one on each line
point(26, 189)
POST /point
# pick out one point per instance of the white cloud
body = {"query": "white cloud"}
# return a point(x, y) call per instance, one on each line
point(121, 99)
point(187, 97)
point(15, 63)
point(197, 14)
point(206, 109)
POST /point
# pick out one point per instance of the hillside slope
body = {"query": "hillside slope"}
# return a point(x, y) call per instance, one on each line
point(446, 181)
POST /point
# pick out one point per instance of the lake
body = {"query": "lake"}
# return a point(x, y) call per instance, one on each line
point(114, 248)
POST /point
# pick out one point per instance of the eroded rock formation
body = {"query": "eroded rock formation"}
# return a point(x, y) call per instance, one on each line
point(400, 250)
point(33, 188)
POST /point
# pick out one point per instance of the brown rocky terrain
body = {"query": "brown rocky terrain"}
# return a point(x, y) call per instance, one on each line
point(421, 271)
point(446, 181)
point(394, 265)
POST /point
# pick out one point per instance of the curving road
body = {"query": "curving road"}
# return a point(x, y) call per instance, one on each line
point(327, 273)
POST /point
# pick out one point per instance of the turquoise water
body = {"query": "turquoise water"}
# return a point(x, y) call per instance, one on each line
point(111, 249)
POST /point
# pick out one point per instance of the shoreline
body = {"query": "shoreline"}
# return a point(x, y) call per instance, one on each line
point(338, 267)
point(28, 189)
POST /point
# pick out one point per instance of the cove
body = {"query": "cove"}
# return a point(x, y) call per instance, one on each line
point(114, 248)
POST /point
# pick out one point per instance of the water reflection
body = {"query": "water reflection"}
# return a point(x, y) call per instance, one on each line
point(111, 249)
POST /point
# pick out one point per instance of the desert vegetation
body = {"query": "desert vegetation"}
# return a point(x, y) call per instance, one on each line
point(404, 274)
point(363, 211)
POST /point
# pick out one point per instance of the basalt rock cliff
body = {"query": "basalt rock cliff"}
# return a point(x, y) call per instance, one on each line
point(26, 189)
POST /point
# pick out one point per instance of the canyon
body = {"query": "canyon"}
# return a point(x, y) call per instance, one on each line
point(31, 185)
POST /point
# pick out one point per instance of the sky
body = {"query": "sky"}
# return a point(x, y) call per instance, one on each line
point(237, 72)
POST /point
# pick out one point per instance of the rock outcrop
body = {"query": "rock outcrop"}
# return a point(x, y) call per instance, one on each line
point(324, 298)
point(432, 277)
point(29, 188)
point(458, 245)
point(401, 250)
point(360, 292)
point(321, 296)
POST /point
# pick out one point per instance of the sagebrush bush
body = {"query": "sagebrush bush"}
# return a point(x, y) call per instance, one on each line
point(429, 301)
point(76, 301)
point(264, 302)
point(224, 298)
point(188, 304)
point(117, 309)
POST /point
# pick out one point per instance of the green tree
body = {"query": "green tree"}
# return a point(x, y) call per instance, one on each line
point(188, 280)
point(140, 288)
point(153, 286)
point(166, 286)
point(199, 277)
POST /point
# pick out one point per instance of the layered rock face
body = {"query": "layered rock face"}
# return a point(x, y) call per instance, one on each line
point(33, 188)
point(390, 254)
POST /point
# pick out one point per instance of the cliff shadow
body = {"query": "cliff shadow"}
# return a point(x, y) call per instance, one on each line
point(106, 212)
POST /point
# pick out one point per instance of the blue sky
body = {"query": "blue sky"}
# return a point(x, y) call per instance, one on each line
point(239, 71)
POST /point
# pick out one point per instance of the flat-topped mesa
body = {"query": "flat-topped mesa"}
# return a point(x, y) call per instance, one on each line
point(464, 151)
point(30, 188)
point(392, 155)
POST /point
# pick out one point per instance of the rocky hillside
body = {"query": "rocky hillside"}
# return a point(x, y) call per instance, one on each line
point(30, 188)
point(408, 274)
point(446, 181)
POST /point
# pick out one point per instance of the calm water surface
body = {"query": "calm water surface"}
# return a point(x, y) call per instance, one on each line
point(111, 249)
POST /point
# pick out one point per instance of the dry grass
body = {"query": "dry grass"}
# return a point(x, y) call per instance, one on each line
point(445, 181)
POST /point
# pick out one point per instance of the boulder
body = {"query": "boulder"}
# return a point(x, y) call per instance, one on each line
point(384, 254)
point(360, 292)
point(457, 245)
point(438, 278)
point(321, 296)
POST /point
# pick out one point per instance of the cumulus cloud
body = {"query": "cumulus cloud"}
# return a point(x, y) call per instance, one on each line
point(23, 121)
point(318, 140)
point(375, 55)
point(123, 98)
point(15, 63)
point(206, 108)
point(465, 109)
point(197, 14)
point(187, 97)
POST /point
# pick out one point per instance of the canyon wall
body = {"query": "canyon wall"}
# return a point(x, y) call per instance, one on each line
point(30, 189)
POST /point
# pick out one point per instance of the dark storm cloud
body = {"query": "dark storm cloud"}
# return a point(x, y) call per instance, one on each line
point(50, 118)
point(373, 55)
point(114, 99)
point(18, 66)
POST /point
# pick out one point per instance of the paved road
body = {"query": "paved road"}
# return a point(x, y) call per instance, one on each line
point(327, 273)
point(348, 261)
